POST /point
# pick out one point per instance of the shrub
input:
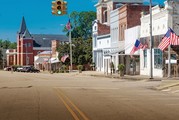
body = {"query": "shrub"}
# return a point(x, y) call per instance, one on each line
point(80, 67)
point(121, 67)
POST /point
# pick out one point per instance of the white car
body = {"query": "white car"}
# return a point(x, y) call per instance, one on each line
point(19, 69)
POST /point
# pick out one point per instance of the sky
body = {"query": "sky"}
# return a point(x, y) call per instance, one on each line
point(38, 16)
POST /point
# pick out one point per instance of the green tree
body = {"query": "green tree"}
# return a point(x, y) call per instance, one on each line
point(6, 44)
point(81, 24)
point(1, 41)
point(13, 45)
point(1, 59)
point(81, 30)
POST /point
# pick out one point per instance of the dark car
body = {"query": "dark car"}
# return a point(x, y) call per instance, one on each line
point(25, 68)
point(32, 70)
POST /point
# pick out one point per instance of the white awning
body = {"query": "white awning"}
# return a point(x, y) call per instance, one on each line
point(54, 60)
point(121, 49)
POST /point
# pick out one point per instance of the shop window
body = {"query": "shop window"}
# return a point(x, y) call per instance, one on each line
point(145, 58)
point(158, 58)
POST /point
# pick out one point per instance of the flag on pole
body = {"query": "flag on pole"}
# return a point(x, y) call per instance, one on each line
point(68, 25)
point(174, 39)
point(136, 47)
point(63, 58)
point(165, 41)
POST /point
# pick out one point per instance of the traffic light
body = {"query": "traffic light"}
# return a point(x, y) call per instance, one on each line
point(59, 7)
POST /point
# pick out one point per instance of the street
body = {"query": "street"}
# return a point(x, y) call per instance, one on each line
point(73, 96)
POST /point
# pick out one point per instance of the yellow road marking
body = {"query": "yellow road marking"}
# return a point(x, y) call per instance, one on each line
point(68, 107)
point(76, 108)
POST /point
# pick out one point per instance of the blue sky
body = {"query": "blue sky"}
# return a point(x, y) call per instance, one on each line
point(37, 13)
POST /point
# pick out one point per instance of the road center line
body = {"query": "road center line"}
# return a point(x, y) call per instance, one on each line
point(61, 94)
point(67, 106)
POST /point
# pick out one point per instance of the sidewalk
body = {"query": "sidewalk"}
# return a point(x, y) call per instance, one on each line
point(165, 82)
point(115, 75)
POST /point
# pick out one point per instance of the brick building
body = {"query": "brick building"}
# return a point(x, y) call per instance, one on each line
point(29, 45)
point(113, 18)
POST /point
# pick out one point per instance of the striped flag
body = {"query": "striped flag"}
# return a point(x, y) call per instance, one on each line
point(68, 25)
point(174, 39)
point(165, 41)
point(136, 47)
point(63, 58)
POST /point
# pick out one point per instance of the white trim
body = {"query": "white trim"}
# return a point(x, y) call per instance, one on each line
point(41, 48)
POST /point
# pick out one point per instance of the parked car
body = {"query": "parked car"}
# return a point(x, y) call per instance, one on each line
point(19, 69)
point(25, 68)
point(32, 70)
point(7, 68)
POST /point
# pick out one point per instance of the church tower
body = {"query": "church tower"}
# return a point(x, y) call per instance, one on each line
point(24, 45)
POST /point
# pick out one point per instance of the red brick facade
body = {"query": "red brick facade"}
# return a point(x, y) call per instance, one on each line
point(129, 17)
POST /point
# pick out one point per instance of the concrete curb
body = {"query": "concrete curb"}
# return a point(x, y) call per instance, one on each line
point(162, 87)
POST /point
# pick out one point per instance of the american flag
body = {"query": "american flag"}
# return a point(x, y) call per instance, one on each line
point(68, 25)
point(165, 41)
point(63, 58)
point(174, 39)
point(136, 47)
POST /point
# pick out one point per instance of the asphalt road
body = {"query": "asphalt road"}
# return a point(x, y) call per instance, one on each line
point(43, 96)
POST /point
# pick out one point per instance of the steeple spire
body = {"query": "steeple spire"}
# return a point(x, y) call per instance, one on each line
point(27, 34)
point(23, 26)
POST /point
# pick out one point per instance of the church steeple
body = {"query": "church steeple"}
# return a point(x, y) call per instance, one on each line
point(27, 34)
point(23, 26)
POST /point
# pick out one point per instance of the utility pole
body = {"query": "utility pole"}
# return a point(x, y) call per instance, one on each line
point(71, 66)
point(169, 47)
point(151, 39)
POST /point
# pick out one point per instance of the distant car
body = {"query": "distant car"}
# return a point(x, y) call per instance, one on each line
point(7, 68)
point(25, 68)
point(19, 69)
point(32, 70)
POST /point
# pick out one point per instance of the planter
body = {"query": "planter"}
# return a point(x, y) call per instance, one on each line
point(121, 73)
point(121, 68)
point(80, 68)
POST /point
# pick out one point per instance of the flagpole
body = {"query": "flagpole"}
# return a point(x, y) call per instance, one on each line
point(169, 49)
point(71, 68)
point(151, 68)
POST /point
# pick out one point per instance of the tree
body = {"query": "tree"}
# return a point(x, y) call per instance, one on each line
point(81, 31)
point(13, 45)
point(81, 24)
point(6, 44)
point(1, 59)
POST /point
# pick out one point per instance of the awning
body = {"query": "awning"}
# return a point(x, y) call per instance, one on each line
point(41, 60)
point(54, 60)
point(46, 60)
point(121, 49)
